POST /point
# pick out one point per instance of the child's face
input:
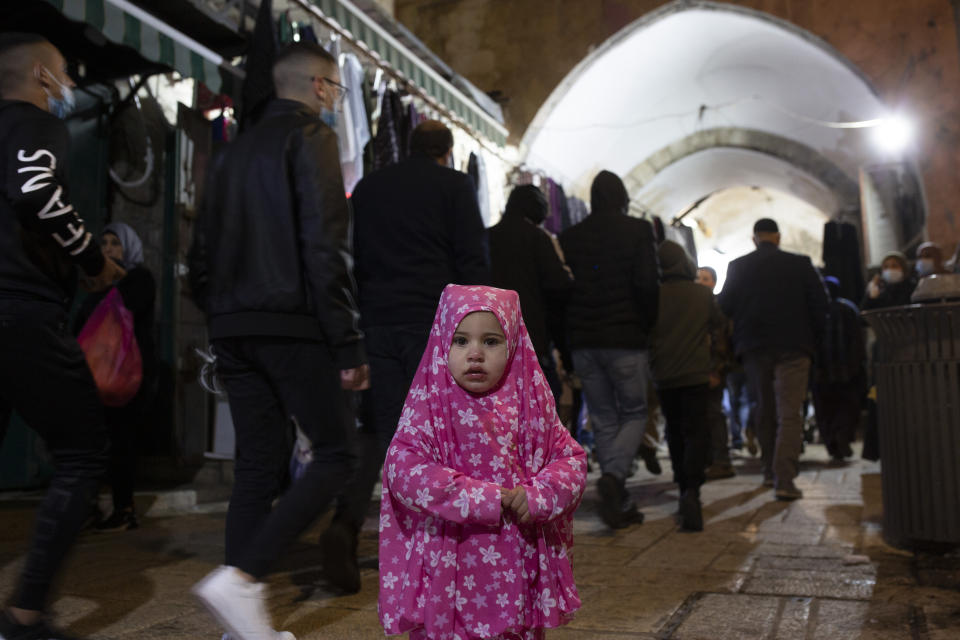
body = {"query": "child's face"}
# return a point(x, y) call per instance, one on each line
point(478, 354)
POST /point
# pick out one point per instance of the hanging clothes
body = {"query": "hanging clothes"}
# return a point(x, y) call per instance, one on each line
point(841, 257)
point(307, 34)
point(578, 210)
point(554, 221)
point(477, 169)
point(387, 143)
point(353, 127)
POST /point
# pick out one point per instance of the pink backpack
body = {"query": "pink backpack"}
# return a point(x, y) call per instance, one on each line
point(108, 341)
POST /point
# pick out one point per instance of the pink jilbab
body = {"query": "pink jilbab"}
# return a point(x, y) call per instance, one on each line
point(451, 566)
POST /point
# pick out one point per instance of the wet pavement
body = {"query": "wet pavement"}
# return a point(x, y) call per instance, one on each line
point(811, 569)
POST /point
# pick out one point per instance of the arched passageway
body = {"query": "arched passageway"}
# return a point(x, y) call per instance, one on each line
point(699, 97)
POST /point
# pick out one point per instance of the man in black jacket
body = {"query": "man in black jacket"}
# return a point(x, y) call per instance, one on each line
point(523, 258)
point(778, 306)
point(417, 228)
point(610, 314)
point(271, 266)
point(43, 372)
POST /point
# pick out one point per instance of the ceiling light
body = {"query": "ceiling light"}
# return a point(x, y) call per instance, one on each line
point(893, 134)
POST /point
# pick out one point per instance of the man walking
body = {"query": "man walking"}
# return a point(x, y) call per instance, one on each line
point(523, 258)
point(43, 373)
point(610, 314)
point(417, 228)
point(271, 266)
point(778, 306)
point(720, 466)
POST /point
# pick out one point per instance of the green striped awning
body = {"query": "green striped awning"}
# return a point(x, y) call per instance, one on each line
point(124, 23)
point(362, 28)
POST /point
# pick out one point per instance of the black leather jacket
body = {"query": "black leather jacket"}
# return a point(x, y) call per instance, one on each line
point(271, 252)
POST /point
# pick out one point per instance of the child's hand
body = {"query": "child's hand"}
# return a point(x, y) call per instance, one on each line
point(516, 500)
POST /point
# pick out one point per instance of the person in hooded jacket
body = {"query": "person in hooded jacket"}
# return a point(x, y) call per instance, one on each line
point(120, 243)
point(682, 364)
point(523, 258)
point(611, 311)
point(841, 374)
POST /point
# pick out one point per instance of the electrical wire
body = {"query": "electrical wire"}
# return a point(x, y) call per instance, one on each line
point(703, 109)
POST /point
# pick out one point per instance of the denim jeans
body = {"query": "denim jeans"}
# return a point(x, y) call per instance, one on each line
point(615, 386)
point(739, 406)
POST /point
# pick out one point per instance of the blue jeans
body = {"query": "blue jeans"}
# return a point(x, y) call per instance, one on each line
point(615, 385)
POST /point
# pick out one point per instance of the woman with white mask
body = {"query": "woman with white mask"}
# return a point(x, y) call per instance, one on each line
point(892, 286)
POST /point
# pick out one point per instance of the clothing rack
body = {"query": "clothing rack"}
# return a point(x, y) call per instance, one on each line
point(409, 86)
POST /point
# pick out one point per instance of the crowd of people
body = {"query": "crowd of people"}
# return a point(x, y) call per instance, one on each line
point(400, 313)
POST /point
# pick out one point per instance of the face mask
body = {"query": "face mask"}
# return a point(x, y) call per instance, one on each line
point(892, 276)
point(329, 118)
point(925, 266)
point(63, 106)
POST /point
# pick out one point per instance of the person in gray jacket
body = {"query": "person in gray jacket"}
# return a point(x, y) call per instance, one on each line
point(681, 363)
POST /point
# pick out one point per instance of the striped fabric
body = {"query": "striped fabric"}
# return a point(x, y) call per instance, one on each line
point(123, 28)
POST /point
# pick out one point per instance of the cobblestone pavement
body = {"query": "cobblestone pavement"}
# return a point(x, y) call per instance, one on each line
point(761, 569)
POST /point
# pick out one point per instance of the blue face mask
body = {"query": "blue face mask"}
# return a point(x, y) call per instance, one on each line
point(63, 106)
point(329, 118)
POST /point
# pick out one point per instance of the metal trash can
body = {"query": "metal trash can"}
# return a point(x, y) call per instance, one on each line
point(917, 371)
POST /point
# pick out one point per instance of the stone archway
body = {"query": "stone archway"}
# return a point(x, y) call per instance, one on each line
point(845, 190)
point(694, 75)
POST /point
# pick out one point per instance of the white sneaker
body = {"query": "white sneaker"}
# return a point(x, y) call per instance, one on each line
point(238, 605)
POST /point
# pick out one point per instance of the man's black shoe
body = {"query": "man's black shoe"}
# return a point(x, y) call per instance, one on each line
point(649, 455)
point(611, 500)
point(338, 545)
point(10, 630)
point(691, 513)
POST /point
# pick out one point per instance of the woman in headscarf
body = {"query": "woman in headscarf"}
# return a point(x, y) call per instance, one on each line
point(120, 243)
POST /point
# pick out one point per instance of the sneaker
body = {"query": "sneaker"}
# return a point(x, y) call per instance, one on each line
point(338, 544)
point(611, 500)
point(123, 520)
point(720, 471)
point(238, 605)
point(789, 492)
point(691, 512)
point(10, 630)
point(649, 456)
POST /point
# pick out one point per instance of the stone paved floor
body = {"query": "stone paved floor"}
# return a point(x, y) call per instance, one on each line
point(761, 569)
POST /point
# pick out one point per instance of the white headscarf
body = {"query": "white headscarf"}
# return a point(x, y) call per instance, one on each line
point(130, 241)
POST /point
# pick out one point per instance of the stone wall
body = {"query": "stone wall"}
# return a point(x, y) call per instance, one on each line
point(907, 48)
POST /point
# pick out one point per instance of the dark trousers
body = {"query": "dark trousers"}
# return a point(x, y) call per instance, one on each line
point(838, 414)
point(123, 425)
point(394, 353)
point(272, 384)
point(45, 378)
point(688, 436)
point(779, 380)
point(719, 436)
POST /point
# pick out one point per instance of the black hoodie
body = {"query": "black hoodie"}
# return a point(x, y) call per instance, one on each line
point(42, 238)
point(614, 262)
point(522, 258)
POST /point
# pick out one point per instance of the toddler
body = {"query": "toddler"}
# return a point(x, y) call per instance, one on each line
point(479, 485)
